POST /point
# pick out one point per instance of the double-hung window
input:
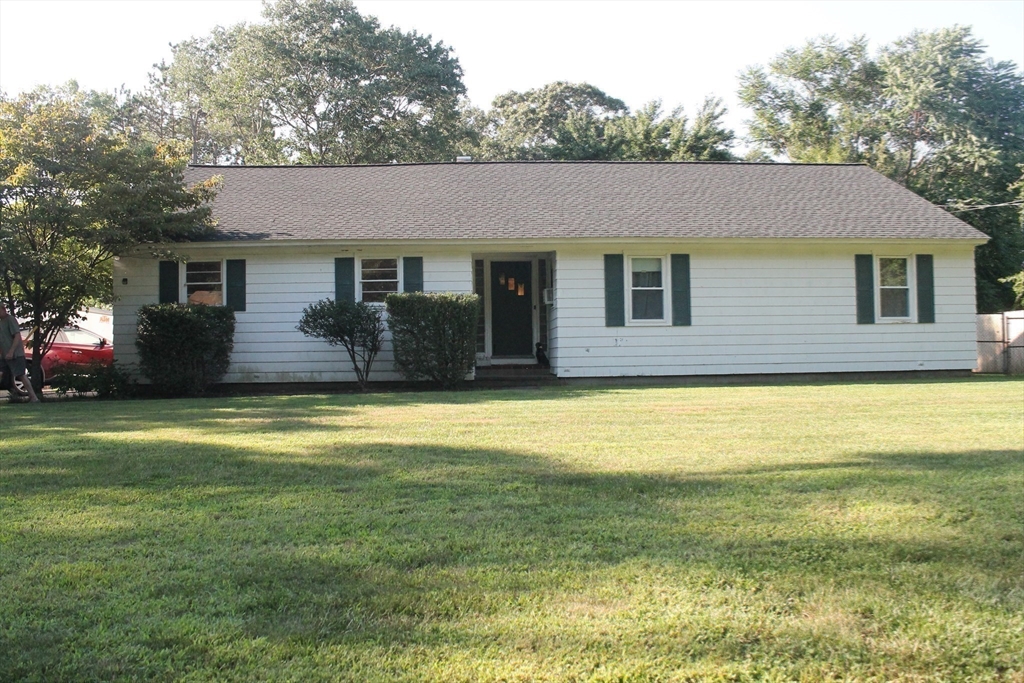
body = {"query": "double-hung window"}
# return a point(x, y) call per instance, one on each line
point(378, 278)
point(647, 289)
point(204, 283)
point(213, 283)
point(894, 288)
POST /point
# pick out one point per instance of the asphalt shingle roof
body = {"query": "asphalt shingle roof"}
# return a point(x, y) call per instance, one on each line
point(552, 200)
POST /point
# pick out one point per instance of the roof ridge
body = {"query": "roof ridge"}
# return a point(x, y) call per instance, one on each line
point(538, 162)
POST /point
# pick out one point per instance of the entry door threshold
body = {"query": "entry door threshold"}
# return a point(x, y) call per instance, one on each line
point(514, 360)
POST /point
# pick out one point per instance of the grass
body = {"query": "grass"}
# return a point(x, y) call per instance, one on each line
point(824, 532)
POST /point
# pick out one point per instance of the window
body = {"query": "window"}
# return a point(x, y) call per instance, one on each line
point(203, 283)
point(82, 337)
point(647, 289)
point(894, 287)
point(378, 278)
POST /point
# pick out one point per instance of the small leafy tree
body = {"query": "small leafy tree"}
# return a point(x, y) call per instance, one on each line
point(74, 193)
point(183, 349)
point(357, 326)
point(434, 335)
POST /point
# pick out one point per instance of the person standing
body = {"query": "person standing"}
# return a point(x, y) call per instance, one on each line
point(12, 352)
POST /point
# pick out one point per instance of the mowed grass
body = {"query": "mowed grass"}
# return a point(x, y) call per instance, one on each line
point(864, 531)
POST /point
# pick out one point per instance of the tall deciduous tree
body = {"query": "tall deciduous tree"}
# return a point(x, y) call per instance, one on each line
point(315, 83)
point(341, 89)
point(72, 196)
point(928, 110)
point(560, 120)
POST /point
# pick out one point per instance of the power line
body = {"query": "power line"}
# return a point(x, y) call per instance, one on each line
point(960, 207)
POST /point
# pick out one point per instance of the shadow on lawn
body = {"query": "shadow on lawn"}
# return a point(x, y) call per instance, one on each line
point(374, 542)
point(256, 414)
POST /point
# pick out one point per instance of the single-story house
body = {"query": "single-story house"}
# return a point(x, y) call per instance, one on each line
point(619, 269)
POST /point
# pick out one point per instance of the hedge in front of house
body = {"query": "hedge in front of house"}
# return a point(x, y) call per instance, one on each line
point(183, 348)
point(106, 381)
point(434, 335)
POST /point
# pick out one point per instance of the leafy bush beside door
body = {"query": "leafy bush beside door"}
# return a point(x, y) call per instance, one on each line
point(434, 335)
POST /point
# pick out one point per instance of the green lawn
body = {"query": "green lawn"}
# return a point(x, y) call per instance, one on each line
point(833, 531)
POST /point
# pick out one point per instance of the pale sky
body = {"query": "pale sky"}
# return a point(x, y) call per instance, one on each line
point(636, 51)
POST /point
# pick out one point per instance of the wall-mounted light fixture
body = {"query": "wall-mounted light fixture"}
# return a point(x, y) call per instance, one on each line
point(522, 290)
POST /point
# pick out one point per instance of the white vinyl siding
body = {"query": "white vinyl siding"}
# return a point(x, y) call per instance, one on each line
point(762, 309)
point(756, 308)
point(279, 284)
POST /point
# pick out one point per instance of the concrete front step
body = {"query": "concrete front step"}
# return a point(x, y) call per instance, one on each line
point(512, 373)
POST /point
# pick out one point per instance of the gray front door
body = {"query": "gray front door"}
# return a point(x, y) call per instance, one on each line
point(511, 308)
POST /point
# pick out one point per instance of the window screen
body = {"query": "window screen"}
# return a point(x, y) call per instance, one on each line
point(648, 291)
point(203, 283)
point(893, 288)
point(379, 277)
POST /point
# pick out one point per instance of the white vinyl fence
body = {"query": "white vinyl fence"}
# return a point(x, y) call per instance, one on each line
point(1001, 343)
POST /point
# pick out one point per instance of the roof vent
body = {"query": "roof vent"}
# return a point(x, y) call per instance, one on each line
point(463, 160)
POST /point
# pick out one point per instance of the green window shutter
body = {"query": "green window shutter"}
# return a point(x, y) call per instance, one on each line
point(345, 279)
point(413, 273)
point(168, 282)
point(614, 291)
point(236, 284)
point(865, 289)
point(680, 289)
point(925, 289)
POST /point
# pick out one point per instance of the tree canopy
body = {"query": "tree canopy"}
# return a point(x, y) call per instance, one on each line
point(928, 110)
point(319, 83)
point(315, 83)
point(578, 121)
point(527, 125)
point(74, 194)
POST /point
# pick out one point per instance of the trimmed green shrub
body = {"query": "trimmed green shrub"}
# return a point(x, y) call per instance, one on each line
point(434, 335)
point(106, 381)
point(183, 349)
point(357, 326)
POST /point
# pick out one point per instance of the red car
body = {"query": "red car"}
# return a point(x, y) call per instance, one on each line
point(73, 346)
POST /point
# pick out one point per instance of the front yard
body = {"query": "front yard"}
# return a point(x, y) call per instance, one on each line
point(846, 531)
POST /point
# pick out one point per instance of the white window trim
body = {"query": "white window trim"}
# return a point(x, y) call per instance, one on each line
point(666, 288)
point(183, 279)
point(911, 290)
point(359, 275)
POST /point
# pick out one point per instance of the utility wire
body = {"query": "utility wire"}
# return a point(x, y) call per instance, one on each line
point(960, 207)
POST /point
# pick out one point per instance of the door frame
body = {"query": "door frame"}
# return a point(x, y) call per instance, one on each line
point(487, 358)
